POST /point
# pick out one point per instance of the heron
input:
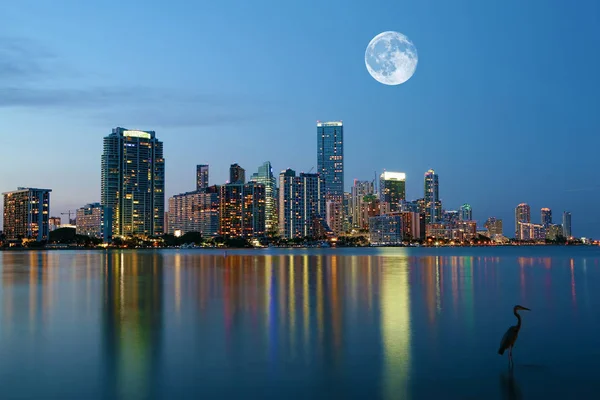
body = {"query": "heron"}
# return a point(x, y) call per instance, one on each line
point(510, 337)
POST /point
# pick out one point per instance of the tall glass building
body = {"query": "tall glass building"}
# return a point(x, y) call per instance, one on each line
point(265, 177)
point(546, 217)
point(432, 203)
point(566, 224)
point(201, 177)
point(301, 204)
point(133, 182)
point(392, 189)
point(330, 158)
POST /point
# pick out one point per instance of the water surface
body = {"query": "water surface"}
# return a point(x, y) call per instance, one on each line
point(278, 323)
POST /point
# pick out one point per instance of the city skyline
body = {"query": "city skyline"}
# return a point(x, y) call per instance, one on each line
point(61, 94)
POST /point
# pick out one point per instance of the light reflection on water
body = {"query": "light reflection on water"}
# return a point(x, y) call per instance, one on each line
point(350, 323)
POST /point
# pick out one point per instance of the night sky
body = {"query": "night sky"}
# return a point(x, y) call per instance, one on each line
point(503, 105)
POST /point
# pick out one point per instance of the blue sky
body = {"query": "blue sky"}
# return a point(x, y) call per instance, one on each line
point(503, 104)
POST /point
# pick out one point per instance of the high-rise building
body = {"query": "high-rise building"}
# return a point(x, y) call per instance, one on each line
point(196, 211)
point(242, 210)
point(566, 224)
point(546, 217)
point(359, 191)
point(133, 182)
point(94, 220)
point(347, 211)
point(26, 214)
point(237, 174)
point(392, 189)
point(493, 226)
point(301, 203)
point(522, 215)
point(433, 205)
point(201, 177)
point(466, 213)
point(330, 165)
point(330, 157)
point(265, 177)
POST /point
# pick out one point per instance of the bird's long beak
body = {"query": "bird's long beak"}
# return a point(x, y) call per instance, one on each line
point(525, 308)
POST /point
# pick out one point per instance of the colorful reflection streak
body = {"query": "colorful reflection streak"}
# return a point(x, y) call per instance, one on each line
point(131, 322)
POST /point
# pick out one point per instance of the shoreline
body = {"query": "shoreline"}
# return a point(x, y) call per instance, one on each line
point(200, 248)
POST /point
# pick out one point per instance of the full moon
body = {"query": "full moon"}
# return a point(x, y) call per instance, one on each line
point(391, 58)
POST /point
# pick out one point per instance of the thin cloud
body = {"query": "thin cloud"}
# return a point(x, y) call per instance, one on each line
point(24, 62)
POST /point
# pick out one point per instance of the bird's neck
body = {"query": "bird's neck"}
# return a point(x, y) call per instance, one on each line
point(519, 319)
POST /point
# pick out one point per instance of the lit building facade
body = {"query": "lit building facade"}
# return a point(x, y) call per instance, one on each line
point(94, 220)
point(412, 225)
point(566, 224)
point(27, 214)
point(242, 210)
point(360, 189)
point(546, 217)
point(334, 215)
point(392, 189)
point(529, 231)
point(493, 226)
point(265, 177)
point(466, 212)
point(201, 177)
point(196, 211)
point(133, 182)
point(386, 230)
point(433, 205)
point(301, 204)
point(522, 215)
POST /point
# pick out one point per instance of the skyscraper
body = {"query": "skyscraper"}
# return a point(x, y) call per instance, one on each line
point(359, 191)
point(133, 182)
point(466, 213)
point(301, 203)
point(330, 157)
point(330, 165)
point(392, 190)
point(433, 205)
point(522, 215)
point(26, 214)
point(201, 177)
point(546, 217)
point(566, 223)
point(237, 174)
point(242, 210)
point(265, 177)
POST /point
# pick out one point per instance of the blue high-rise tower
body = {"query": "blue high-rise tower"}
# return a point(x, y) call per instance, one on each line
point(330, 158)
